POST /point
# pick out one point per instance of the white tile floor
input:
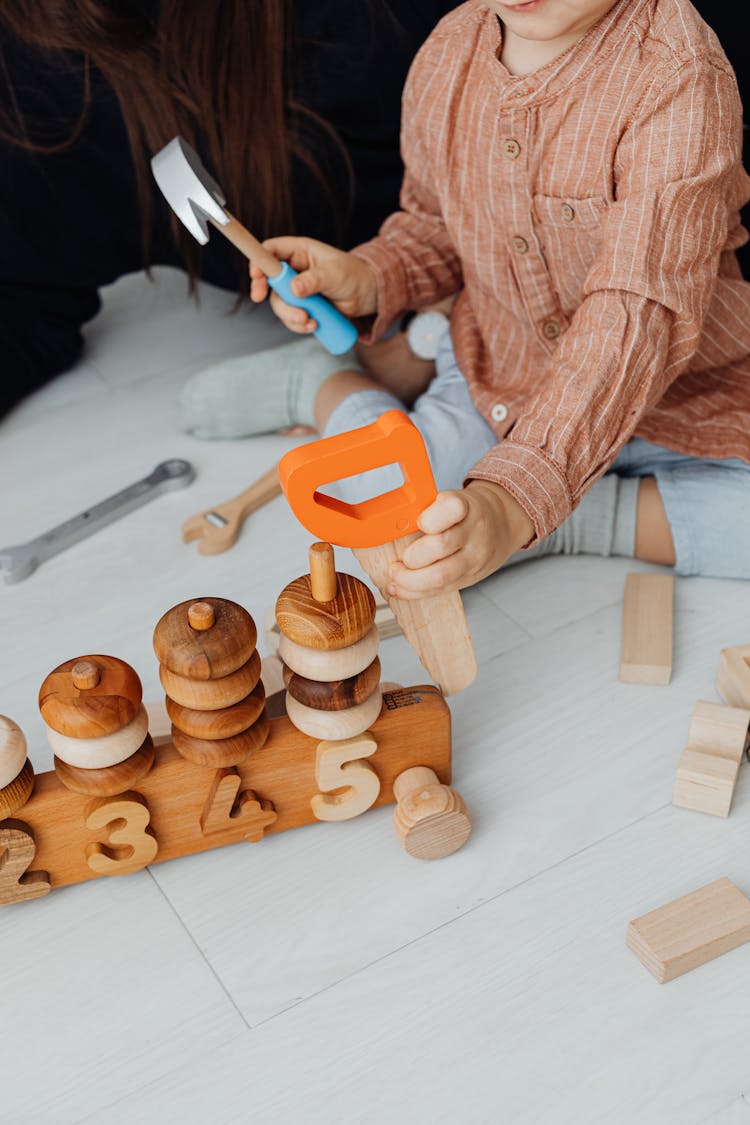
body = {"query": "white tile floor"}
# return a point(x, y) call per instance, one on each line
point(326, 976)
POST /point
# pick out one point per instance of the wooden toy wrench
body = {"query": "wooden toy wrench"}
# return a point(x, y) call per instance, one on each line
point(218, 527)
point(196, 199)
point(20, 561)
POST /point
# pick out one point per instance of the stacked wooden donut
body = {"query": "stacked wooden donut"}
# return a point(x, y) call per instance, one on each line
point(96, 725)
point(210, 670)
point(329, 646)
point(16, 772)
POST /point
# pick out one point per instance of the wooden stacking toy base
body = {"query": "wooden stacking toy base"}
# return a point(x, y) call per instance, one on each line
point(179, 808)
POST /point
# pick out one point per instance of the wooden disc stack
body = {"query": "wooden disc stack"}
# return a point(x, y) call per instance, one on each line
point(329, 648)
point(96, 725)
point(16, 772)
point(210, 670)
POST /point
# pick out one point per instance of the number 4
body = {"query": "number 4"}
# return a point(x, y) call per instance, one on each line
point(339, 765)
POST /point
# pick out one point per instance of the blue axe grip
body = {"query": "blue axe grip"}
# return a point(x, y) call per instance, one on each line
point(334, 331)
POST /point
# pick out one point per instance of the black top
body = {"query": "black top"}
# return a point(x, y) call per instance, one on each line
point(69, 222)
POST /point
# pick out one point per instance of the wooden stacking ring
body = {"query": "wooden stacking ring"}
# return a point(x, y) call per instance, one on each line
point(334, 725)
point(209, 651)
point(335, 695)
point(223, 723)
point(110, 703)
point(337, 665)
point(335, 624)
point(12, 751)
point(96, 753)
point(15, 795)
point(211, 695)
point(108, 781)
point(220, 752)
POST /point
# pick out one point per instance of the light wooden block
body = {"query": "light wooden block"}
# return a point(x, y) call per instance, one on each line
point(692, 930)
point(733, 676)
point(709, 766)
point(646, 654)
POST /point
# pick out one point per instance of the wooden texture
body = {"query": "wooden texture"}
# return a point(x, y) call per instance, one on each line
point(338, 664)
point(218, 752)
point(335, 725)
point(436, 627)
point(218, 527)
point(17, 852)
point(646, 652)
point(130, 843)
point(413, 729)
point(431, 820)
point(223, 723)
point(322, 572)
point(710, 763)
point(108, 750)
point(335, 624)
point(349, 785)
point(205, 654)
point(12, 750)
point(92, 712)
point(692, 930)
point(16, 793)
point(211, 695)
point(110, 780)
point(733, 676)
point(385, 623)
point(201, 616)
point(85, 674)
point(333, 695)
point(225, 803)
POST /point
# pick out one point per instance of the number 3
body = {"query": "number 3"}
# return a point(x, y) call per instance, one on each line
point(131, 844)
point(340, 764)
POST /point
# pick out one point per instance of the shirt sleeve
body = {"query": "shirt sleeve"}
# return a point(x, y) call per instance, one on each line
point(678, 179)
point(413, 256)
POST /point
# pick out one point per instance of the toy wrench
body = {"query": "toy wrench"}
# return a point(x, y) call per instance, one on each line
point(218, 527)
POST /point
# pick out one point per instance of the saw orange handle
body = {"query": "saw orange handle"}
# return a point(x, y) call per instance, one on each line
point(393, 439)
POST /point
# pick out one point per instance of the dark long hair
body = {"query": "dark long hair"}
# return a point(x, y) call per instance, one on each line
point(216, 71)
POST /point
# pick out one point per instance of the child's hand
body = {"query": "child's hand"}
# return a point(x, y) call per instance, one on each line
point(346, 281)
point(467, 535)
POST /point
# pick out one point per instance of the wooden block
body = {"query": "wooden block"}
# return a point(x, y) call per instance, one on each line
point(16, 793)
point(646, 655)
point(349, 784)
point(211, 695)
point(107, 750)
point(326, 625)
point(430, 820)
point(17, 851)
point(103, 707)
point(733, 676)
point(436, 627)
point(413, 728)
point(334, 725)
point(692, 930)
point(222, 723)
point(214, 649)
point(335, 695)
point(12, 751)
point(110, 780)
point(339, 664)
point(220, 752)
point(709, 766)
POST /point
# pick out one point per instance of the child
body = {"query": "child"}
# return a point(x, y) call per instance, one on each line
point(575, 167)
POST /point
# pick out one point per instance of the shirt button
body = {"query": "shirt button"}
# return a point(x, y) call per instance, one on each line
point(520, 244)
point(499, 412)
point(567, 213)
point(550, 329)
point(511, 148)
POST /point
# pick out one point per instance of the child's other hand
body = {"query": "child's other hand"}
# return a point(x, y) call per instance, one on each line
point(346, 281)
point(468, 534)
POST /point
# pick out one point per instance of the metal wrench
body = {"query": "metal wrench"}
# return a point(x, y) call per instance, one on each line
point(17, 563)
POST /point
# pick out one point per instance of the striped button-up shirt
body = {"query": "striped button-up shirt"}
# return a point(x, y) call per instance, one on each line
point(589, 213)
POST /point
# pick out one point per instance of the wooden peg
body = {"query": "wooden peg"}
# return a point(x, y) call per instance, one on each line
point(108, 781)
point(85, 674)
point(334, 725)
point(201, 616)
point(12, 751)
point(16, 793)
point(322, 572)
point(210, 695)
point(430, 819)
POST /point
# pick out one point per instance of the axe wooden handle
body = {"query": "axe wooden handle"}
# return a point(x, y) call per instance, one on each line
point(248, 245)
point(435, 627)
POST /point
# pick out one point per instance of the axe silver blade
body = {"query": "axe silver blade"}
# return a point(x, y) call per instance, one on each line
point(194, 196)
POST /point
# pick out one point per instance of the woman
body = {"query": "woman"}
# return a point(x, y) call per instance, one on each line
point(294, 106)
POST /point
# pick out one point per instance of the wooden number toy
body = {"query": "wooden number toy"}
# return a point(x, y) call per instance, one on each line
point(119, 799)
point(379, 530)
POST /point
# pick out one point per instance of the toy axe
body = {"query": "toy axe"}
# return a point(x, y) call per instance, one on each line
point(197, 200)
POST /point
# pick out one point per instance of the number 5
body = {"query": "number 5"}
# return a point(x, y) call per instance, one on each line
point(339, 764)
